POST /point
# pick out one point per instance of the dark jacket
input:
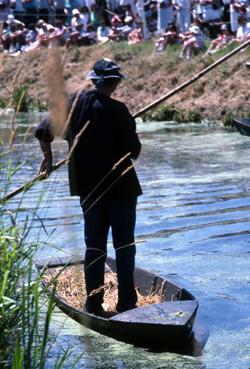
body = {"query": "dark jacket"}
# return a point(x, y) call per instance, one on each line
point(110, 135)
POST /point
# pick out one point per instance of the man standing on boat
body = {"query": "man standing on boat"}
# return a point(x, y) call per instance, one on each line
point(102, 174)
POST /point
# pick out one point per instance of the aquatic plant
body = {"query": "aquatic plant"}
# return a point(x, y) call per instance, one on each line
point(170, 113)
point(3, 103)
point(24, 329)
point(25, 312)
point(20, 99)
point(186, 116)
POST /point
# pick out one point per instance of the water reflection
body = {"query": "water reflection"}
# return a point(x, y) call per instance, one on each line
point(194, 216)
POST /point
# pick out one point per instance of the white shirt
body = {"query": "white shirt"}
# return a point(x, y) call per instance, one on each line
point(243, 32)
point(80, 20)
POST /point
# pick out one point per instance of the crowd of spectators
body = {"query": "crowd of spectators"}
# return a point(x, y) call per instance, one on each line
point(30, 24)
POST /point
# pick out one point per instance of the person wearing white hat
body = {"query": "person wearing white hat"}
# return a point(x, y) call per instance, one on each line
point(102, 174)
point(193, 42)
point(76, 12)
point(12, 20)
point(79, 20)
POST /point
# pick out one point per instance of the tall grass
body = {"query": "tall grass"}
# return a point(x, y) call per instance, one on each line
point(25, 312)
point(24, 319)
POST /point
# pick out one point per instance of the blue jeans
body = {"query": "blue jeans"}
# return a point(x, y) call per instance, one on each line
point(121, 217)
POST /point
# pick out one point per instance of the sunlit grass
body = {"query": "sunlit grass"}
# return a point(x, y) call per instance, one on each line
point(25, 311)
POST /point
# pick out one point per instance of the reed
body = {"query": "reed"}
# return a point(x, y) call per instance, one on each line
point(25, 314)
point(56, 94)
point(69, 282)
point(24, 333)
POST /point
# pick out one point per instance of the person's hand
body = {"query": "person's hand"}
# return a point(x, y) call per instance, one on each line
point(46, 166)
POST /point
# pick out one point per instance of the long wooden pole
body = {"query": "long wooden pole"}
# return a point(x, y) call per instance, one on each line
point(29, 184)
point(192, 80)
point(41, 176)
point(140, 112)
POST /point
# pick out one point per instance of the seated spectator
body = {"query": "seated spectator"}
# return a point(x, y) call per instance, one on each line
point(79, 20)
point(102, 32)
point(136, 36)
point(41, 27)
point(30, 41)
point(119, 29)
point(57, 36)
point(86, 14)
point(95, 15)
point(80, 37)
point(193, 42)
point(222, 41)
point(31, 33)
point(13, 35)
point(12, 20)
point(243, 32)
point(90, 36)
point(43, 30)
point(129, 26)
point(116, 21)
point(62, 32)
point(237, 8)
point(114, 34)
point(169, 37)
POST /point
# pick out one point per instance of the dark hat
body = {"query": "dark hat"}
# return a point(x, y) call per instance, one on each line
point(103, 69)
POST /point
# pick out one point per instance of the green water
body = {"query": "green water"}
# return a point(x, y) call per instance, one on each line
point(194, 218)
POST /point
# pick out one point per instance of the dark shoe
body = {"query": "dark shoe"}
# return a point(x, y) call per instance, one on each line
point(93, 309)
point(99, 311)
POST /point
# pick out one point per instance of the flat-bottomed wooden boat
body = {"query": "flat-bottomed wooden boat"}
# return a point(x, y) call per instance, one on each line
point(167, 324)
point(242, 125)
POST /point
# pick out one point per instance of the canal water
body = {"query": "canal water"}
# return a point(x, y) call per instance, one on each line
point(194, 226)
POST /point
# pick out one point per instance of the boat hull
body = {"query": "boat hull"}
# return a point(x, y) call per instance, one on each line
point(242, 125)
point(164, 325)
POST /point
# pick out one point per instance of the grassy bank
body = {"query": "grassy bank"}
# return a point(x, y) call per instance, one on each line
point(219, 95)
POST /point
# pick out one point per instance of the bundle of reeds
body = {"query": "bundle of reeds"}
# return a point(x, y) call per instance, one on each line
point(70, 286)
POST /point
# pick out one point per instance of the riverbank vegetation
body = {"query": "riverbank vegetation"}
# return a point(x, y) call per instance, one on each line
point(219, 95)
point(25, 311)
point(25, 314)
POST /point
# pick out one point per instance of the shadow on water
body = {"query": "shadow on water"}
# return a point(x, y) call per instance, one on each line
point(192, 347)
